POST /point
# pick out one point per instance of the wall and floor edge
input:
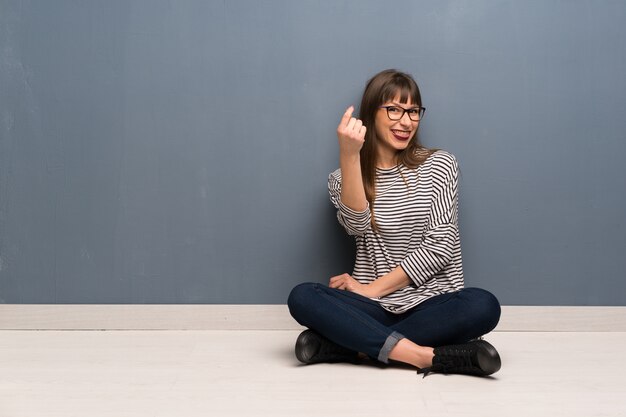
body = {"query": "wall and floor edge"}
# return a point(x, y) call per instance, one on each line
point(271, 317)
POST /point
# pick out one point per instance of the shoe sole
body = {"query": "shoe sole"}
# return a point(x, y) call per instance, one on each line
point(488, 358)
point(307, 346)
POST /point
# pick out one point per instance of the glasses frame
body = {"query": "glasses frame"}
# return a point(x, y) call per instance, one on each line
point(421, 112)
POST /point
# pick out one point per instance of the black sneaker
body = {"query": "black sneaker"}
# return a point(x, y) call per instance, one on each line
point(311, 347)
point(476, 357)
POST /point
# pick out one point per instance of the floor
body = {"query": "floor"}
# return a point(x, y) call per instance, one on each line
point(254, 373)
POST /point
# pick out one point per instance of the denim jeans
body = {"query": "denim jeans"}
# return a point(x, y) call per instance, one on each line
point(361, 324)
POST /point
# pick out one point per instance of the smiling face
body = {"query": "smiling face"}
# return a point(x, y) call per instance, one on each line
point(394, 135)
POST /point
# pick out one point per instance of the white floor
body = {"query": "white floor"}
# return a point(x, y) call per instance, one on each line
point(254, 373)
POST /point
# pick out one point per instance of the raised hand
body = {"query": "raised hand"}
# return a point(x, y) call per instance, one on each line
point(351, 134)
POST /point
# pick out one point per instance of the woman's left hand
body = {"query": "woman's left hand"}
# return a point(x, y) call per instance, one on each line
point(346, 282)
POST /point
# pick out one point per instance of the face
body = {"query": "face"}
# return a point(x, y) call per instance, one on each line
point(394, 135)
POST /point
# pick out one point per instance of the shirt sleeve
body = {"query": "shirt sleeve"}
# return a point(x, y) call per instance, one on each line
point(442, 232)
point(356, 223)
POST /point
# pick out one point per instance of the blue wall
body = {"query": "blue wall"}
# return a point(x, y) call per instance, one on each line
point(178, 151)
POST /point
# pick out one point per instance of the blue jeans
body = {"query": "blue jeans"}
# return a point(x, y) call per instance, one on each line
point(361, 324)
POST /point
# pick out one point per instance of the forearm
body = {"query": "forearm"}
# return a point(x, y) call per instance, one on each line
point(388, 283)
point(352, 190)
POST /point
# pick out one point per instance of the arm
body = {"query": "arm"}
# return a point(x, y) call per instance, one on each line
point(437, 246)
point(393, 281)
point(346, 189)
point(351, 135)
point(356, 223)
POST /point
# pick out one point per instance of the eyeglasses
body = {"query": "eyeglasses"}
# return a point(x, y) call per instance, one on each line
point(397, 113)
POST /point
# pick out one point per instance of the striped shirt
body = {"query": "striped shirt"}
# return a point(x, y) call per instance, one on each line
point(416, 212)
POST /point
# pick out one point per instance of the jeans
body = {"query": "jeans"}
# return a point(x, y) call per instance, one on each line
point(361, 324)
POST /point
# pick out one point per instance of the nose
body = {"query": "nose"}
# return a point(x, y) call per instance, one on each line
point(405, 120)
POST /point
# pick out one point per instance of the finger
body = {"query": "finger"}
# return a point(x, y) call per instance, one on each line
point(335, 278)
point(362, 132)
point(351, 123)
point(336, 282)
point(346, 116)
point(345, 274)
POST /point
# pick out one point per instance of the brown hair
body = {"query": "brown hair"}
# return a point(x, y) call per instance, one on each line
point(383, 87)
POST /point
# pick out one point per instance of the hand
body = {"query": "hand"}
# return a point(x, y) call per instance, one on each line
point(346, 282)
point(351, 134)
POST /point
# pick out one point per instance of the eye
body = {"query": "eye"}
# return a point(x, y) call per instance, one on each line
point(413, 112)
point(394, 110)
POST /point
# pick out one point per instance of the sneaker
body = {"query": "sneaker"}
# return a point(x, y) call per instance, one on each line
point(476, 357)
point(311, 347)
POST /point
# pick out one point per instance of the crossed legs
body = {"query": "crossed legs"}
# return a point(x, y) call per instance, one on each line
point(362, 325)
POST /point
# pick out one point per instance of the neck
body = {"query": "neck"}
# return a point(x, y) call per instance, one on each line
point(386, 158)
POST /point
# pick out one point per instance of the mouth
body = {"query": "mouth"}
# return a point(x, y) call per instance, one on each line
point(402, 135)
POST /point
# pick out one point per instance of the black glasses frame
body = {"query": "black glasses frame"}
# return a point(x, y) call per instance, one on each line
point(421, 112)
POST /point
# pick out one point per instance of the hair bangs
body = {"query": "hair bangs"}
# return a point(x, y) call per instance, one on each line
point(404, 88)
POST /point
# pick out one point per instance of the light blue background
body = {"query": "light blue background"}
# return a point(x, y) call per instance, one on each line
point(178, 151)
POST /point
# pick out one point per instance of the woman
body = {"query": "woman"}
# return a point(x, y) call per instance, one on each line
point(405, 299)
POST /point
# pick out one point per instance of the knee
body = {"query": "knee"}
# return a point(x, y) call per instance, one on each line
point(299, 296)
point(486, 307)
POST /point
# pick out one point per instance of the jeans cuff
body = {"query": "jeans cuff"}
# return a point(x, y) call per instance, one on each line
point(390, 343)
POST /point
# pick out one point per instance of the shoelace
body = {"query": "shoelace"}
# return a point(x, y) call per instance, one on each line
point(455, 360)
point(330, 350)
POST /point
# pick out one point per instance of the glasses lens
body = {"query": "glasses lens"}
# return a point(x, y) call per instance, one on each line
point(418, 114)
point(414, 114)
point(394, 113)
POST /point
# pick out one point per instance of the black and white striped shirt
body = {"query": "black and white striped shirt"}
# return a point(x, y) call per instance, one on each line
point(416, 212)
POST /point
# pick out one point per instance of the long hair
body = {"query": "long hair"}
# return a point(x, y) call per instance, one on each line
point(382, 88)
